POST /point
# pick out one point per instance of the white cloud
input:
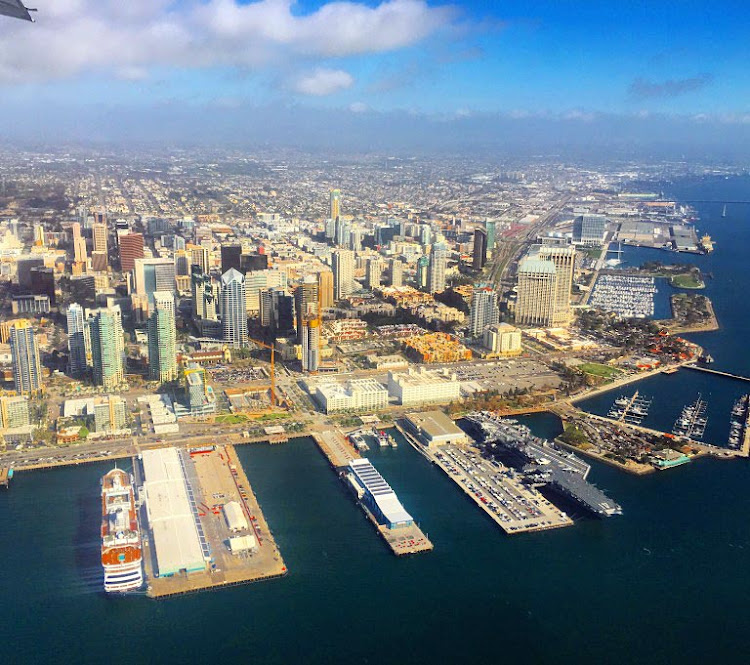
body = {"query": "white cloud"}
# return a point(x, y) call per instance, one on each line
point(359, 107)
point(323, 82)
point(75, 36)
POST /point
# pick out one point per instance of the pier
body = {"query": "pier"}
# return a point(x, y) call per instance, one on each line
point(511, 504)
point(717, 372)
point(214, 478)
point(340, 454)
point(5, 475)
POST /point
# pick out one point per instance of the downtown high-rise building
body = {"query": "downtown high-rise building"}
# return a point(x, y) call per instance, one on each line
point(490, 226)
point(373, 273)
point(479, 255)
point(438, 264)
point(107, 346)
point(396, 272)
point(234, 308)
point(203, 295)
point(231, 258)
point(423, 269)
point(484, 310)
point(589, 230)
point(564, 258)
point(310, 341)
point(200, 256)
point(99, 235)
point(325, 286)
point(162, 339)
point(335, 200)
point(342, 262)
point(79, 245)
point(27, 370)
point(305, 303)
point(77, 363)
point(131, 248)
point(536, 292)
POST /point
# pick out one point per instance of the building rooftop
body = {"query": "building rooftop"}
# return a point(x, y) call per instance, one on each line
point(434, 424)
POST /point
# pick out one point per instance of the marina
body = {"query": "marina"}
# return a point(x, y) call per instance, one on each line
point(692, 421)
point(738, 422)
point(630, 410)
point(626, 296)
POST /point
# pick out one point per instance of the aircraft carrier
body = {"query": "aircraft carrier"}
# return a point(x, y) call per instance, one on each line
point(541, 462)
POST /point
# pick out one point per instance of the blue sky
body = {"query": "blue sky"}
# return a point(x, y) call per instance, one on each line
point(561, 58)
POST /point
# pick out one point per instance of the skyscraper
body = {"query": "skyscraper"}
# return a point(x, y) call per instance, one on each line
point(162, 339)
point(342, 262)
point(484, 309)
point(491, 226)
point(480, 249)
point(310, 340)
point(99, 234)
point(397, 272)
point(200, 256)
point(76, 340)
point(151, 275)
point(536, 292)
point(79, 245)
point(230, 258)
point(564, 258)
point(131, 248)
point(27, 370)
point(234, 308)
point(335, 196)
point(325, 284)
point(423, 269)
point(436, 271)
point(305, 303)
point(204, 295)
point(374, 272)
point(43, 282)
point(107, 347)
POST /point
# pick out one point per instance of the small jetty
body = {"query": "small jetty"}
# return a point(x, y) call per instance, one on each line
point(692, 421)
point(6, 473)
point(631, 410)
point(738, 423)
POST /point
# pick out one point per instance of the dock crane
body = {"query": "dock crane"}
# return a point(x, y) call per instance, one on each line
point(273, 366)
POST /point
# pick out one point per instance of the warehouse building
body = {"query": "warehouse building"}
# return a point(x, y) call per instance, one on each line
point(434, 428)
point(357, 394)
point(423, 386)
point(177, 536)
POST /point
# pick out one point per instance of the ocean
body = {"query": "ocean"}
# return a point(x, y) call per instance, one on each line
point(666, 582)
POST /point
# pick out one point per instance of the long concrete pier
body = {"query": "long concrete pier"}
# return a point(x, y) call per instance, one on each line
point(340, 453)
point(216, 477)
point(717, 372)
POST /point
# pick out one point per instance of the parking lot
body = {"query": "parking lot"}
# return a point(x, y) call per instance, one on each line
point(224, 374)
point(515, 506)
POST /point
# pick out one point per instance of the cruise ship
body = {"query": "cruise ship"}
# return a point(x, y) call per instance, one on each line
point(121, 537)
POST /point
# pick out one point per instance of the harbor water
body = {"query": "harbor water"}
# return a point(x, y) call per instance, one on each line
point(666, 582)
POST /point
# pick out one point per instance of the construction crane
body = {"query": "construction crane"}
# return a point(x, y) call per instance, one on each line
point(273, 367)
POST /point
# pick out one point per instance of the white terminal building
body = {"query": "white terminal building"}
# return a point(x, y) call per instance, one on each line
point(377, 495)
point(423, 386)
point(178, 538)
point(434, 428)
point(357, 394)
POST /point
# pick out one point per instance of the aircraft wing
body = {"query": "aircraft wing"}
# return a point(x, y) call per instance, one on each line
point(15, 9)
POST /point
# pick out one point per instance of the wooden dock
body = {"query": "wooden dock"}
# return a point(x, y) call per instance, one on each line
point(5, 476)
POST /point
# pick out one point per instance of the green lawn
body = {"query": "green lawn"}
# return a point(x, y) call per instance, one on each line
point(231, 419)
point(597, 369)
point(687, 281)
